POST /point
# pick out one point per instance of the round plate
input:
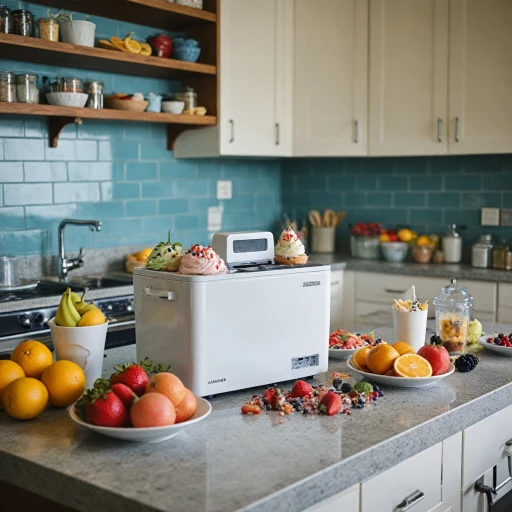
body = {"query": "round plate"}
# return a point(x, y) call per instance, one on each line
point(148, 434)
point(504, 351)
point(402, 382)
point(342, 353)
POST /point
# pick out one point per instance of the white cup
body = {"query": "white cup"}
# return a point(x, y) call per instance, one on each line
point(411, 327)
point(84, 346)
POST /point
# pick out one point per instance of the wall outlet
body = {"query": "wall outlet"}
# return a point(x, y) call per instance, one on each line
point(215, 218)
point(490, 217)
point(506, 217)
point(224, 189)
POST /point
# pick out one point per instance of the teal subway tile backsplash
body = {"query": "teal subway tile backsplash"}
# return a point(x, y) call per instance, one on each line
point(41, 171)
point(11, 172)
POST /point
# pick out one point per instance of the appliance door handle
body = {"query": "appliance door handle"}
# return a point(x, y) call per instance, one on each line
point(439, 124)
point(410, 501)
point(160, 294)
point(356, 131)
point(277, 134)
point(457, 138)
point(232, 124)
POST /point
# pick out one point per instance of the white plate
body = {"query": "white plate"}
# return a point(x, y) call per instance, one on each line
point(402, 382)
point(148, 434)
point(504, 351)
point(342, 353)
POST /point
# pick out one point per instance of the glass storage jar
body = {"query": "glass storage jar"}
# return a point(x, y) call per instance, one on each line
point(7, 87)
point(70, 84)
point(5, 20)
point(500, 256)
point(95, 91)
point(23, 22)
point(454, 307)
point(189, 96)
point(26, 88)
point(481, 252)
point(48, 29)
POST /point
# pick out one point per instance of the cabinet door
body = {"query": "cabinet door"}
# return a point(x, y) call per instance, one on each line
point(330, 77)
point(480, 103)
point(248, 77)
point(408, 77)
point(347, 501)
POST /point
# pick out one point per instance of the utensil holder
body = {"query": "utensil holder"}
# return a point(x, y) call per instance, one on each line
point(323, 239)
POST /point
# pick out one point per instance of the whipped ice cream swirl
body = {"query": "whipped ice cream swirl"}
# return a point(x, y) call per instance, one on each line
point(289, 245)
point(202, 261)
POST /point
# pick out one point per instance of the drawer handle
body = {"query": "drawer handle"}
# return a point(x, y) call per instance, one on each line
point(398, 292)
point(160, 294)
point(334, 283)
point(410, 501)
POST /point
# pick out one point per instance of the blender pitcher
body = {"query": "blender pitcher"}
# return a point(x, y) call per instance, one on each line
point(454, 307)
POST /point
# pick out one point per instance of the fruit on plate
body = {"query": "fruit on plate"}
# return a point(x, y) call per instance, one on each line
point(412, 365)
point(9, 372)
point(104, 408)
point(437, 356)
point(134, 376)
point(403, 348)
point(161, 44)
point(380, 359)
point(187, 407)
point(25, 398)
point(345, 340)
point(33, 357)
point(125, 394)
point(152, 410)
point(330, 404)
point(360, 358)
point(301, 389)
point(168, 385)
point(65, 382)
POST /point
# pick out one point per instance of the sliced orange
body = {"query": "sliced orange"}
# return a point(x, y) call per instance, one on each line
point(360, 356)
point(118, 43)
point(403, 348)
point(380, 359)
point(145, 49)
point(391, 373)
point(412, 365)
point(108, 45)
point(131, 45)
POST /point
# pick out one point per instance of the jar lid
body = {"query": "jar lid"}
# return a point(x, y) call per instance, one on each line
point(485, 239)
point(453, 295)
point(22, 12)
point(452, 231)
point(25, 76)
point(6, 75)
point(5, 9)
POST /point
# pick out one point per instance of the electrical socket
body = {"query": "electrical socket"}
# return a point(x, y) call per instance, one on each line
point(224, 189)
point(215, 218)
point(490, 217)
point(506, 217)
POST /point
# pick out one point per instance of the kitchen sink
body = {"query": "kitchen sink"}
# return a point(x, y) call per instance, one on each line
point(99, 282)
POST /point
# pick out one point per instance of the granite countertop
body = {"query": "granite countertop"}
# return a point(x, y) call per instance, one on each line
point(448, 270)
point(233, 462)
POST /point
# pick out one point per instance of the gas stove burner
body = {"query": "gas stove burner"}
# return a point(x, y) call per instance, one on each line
point(43, 289)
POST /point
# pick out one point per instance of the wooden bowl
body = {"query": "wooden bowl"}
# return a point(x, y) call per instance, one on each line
point(132, 263)
point(131, 105)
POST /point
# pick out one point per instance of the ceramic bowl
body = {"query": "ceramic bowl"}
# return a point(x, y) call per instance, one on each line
point(173, 107)
point(394, 251)
point(67, 99)
point(186, 53)
point(131, 105)
point(422, 253)
point(503, 351)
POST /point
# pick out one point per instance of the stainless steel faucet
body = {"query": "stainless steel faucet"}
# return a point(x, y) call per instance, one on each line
point(66, 265)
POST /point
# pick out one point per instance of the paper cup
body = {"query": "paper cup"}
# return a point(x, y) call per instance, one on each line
point(84, 346)
point(410, 327)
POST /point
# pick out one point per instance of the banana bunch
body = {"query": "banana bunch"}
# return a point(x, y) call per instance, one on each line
point(73, 311)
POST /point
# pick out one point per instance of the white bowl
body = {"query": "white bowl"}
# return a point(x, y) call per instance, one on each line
point(394, 251)
point(173, 107)
point(402, 382)
point(67, 99)
point(343, 353)
point(147, 434)
point(503, 351)
point(78, 32)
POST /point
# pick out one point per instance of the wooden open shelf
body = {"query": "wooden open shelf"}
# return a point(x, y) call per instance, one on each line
point(153, 13)
point(71, 55)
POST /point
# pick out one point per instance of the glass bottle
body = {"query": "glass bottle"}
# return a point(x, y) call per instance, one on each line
point(454, 307)
point(499, 256)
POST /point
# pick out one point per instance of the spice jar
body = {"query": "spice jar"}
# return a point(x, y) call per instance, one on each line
point(7, 87)
point(481, 252)
point(70, 84)
point(23, 22)
point(95, 92)
point(500, 255)
point(5, 20)
point(189, 97)
point(453, 309)
point(26, 88)
point(48, 29)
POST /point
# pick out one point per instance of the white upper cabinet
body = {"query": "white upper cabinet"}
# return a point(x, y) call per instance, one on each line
point(330, 93)
point(255, 68)
point(408, 77)
point(480, 87)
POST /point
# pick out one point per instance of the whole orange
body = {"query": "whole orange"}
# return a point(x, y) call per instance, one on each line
point(360, 356)
point(168, 385)
point(403, 348)
point(380, 359)
point(33, 357)
point(25, 398)
point(9, 371)
point(187, 407)
point(65, 382)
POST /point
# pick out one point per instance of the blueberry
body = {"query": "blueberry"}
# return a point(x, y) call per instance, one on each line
point(346, 388)
point(376, 388)
point(381, 393)
point(500, 336)
point(299, 409)
point(361, 400)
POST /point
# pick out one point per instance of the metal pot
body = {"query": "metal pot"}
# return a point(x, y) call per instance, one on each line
point(8, 271)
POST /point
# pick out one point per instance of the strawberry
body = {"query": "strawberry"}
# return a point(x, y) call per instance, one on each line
point(124, 393)
point(301, 389)
point(268, 396)
point(133, 376)
point(330, 404)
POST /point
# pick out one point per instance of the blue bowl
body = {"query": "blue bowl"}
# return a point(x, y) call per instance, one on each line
point(179, 42)
point(186, 53)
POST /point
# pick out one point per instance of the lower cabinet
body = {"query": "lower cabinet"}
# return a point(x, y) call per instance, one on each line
point(347, 501)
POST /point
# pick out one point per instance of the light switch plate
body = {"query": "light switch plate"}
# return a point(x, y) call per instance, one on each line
point(506, 217)
point(224, 189)
point(215, 218)
point(490, 217)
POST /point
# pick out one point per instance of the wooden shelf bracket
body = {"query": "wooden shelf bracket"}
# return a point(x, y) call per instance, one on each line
point(57, 124)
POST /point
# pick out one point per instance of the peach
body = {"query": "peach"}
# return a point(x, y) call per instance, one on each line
point(168, 385)
point(152, 410)
point(187, 407)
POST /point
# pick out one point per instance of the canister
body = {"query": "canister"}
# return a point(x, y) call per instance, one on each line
point(452, 245)
point(481, 252)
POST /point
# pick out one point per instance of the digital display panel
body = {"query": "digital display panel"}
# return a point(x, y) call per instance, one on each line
point(252, 245)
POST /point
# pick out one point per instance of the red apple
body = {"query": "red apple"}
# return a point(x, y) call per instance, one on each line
point(161, 45)
point(437, 356)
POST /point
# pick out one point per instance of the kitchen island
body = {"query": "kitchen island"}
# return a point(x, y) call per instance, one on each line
point(234, 462)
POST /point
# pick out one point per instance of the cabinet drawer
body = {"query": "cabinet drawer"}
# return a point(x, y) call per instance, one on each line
point(422, 472)
point(505, 295)
point(484, 445)
point(347, 501)
point(504, 315)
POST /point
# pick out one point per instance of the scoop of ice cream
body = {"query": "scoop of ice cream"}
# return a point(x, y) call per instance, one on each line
point(202, 261)
point(289, 245)
point(166, 256)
